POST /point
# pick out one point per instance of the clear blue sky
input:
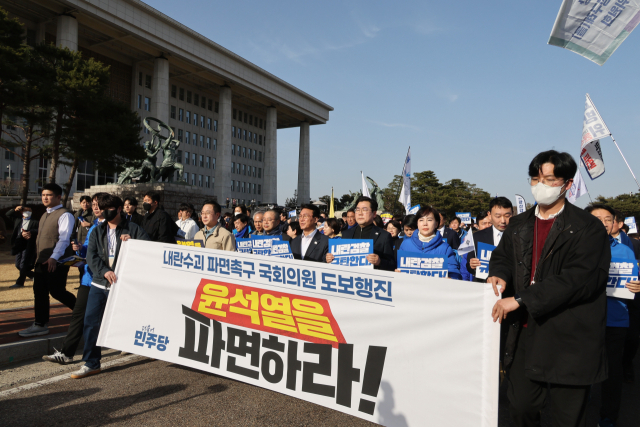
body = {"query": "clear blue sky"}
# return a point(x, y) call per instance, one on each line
point(471, 86)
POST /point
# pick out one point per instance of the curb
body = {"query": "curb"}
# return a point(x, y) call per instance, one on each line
point(31, 348)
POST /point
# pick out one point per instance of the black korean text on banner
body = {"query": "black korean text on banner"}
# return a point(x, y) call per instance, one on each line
point(242, 351)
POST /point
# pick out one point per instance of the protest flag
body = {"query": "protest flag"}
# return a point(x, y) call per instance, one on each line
point(332, 213)
point(594, 29)
point(522, 205)
point(365, 188)
point(467, 244)
point(578, 188)
point(405, 193)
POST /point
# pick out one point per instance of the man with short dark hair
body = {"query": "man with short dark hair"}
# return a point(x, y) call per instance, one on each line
point(483, 220)
point(382, 257)
point(500, 212)
point(213, 234)
point(188, 227)
point(131, 211)
point(241, 224)
point(554, 261)
point(52, 244)
point(351, 219)
point(448, 235)
point(454, 225)
point(157, 223)
point(310, 245)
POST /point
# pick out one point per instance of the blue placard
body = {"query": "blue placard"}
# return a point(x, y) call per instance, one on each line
point(621, 271)
point(484, 255)
point(351, 252)
point(292, 214)
point(465, 217)
point(423, 265)
point(261, 245)
point(281, 250)
point(243, 245)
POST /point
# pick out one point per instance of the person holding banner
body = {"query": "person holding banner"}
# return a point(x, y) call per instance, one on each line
point(214, 235)
point(554, 259)
point(102, 257)
point(382, 256)
point(310, 244)
point(429, 241)
point(617, 324)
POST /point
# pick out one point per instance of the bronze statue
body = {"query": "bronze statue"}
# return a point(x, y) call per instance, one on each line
point(376, 194)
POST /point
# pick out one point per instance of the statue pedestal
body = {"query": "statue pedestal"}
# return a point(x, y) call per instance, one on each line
point(171, 194)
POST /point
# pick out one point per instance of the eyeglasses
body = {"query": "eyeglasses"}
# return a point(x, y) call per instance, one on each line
point(363, 210)
point(556, 182)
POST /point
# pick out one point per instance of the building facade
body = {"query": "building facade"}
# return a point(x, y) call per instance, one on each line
point(224, 110)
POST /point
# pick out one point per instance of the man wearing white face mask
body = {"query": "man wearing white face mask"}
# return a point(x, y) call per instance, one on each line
point(23, 249)
point(552, 264)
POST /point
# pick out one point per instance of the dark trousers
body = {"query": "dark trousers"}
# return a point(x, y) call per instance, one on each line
point(24, 264)
point(96, 304)
point(54, 284)
point(76, 327)
point(612, 386)
point(633, 334)
point(528, 397)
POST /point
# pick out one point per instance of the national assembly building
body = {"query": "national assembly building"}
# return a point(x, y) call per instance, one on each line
point(224, 110)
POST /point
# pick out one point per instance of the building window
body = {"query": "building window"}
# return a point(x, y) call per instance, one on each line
point(187, 137)
point(250, 119)
point(147, 104)
point(201, 140)
point(9, 155)
point(195, 139)
point(254, 171)
point(203, 104)
point(210, 105)
point(233, 131)
point(202, 122)
point(86, 176)
point(255, 138)
point(213, 163)
point(174, 89)
point(180, 135)
point(260, 140)
point(201, 161)
point(244, 170)
point(233, 167)
point(215, 126)
point(208, 123)
point(234, 114)
point(181, 97)
point(259, 172)
point(259, 189)
point(196, 99)
point(215, 144)
point(208, 143)
point(140, 78)
point(217, 107)
point(199, 180)
point(250, 136)
point(239, 134)
point(206, 181)
point(139, 102)
point(193, 159)
point(186, 160)
point(244, 152)
point(147, 81)
point(260, 124)
point(195, 119)
point(189, 96)
point(233, 184)
point(243, 187)
point(186, 176)
point(244, 134)
point(193, 179)
point(181, 114)
point(233, 149)
point(188, 117)
point(173, 111)
point(249, 153)
point(179, 156)
point(259, 156)
point(208, 163)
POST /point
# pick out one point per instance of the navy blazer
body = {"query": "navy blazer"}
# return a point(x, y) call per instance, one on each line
point(382, 246)
point(484, 236)
point(317, 250)
point(452, 238)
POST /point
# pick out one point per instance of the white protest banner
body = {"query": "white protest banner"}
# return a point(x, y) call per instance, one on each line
point(522, 205)
point(484, 255)
point(422, 265)
point(390, 348)
point(261, 245)
point(593, 128)
point(631, 222)
point(620, 272)
point(467, 244)
point(351, 252)
point(365, 188)
point(465, 217)
point(594, 28)
point(578, 188)
point(244, 245)
point(281, 250)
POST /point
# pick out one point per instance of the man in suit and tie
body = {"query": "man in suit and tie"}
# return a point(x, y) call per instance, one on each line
point(500, 212)
point(450, 236)
point(382, 257)
point(310, 245)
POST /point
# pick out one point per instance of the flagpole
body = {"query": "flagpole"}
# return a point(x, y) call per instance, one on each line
point(614, 141)
point(585, 185)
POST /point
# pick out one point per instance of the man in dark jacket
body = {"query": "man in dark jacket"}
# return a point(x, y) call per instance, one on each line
point(157, 223)
point(310, 245)
point(131, 211)
point(554, 259)
point(382, 257)
point(102, 257)
point(23, 249)
point(450, 236)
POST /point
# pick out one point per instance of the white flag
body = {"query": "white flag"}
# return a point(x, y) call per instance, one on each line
point(365, 189)
point(594, 29)
point(593, 128)
point(405, 194)
point(467, 244)
point(522, 205)
point(577, 189)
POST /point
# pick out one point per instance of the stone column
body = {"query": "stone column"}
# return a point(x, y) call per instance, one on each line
point(67, 32)
point(304, 180)
point(40, 32)
point(270, 183)
point(160, 88)
point(222, 186)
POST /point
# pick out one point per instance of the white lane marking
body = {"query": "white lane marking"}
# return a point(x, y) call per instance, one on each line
point(62, 377)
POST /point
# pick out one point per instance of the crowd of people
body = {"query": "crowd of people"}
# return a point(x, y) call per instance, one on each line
point(561, 333)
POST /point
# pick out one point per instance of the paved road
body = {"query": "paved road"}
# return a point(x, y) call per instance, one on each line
point(136, 391)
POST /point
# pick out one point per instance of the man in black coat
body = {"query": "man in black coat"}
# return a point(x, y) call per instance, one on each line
point(157, 223)
point(500, 212)
point(23, 249)
point(131, 211)
point(450, 236)
point(310, 245)
point(382, 257)
point(555, 259)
